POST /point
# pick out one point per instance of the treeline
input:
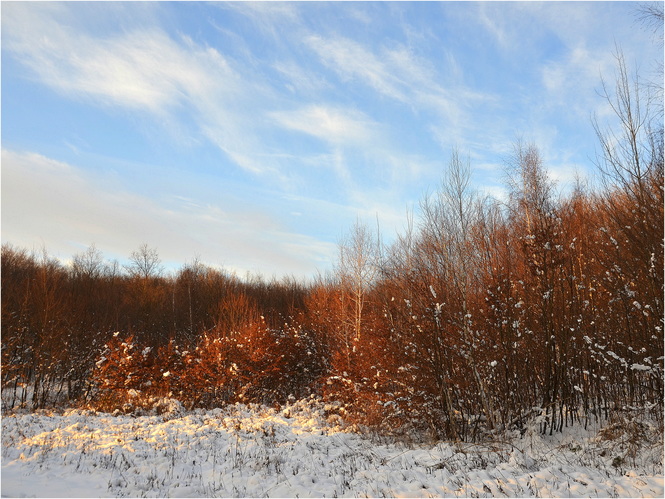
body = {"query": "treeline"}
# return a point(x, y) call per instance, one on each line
point(57, 318)
point(483, 315)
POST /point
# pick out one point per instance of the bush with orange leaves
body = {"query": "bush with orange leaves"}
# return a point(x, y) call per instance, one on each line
point(257, 364)
point(210, 374)
point(124, 371)
point(277, 364)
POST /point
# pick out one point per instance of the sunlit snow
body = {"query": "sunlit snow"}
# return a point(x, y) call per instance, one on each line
point(300, 450)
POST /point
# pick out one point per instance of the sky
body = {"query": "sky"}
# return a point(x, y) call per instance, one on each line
point(252, 136)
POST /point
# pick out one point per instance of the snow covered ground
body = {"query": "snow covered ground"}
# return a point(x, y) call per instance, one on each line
point(299, 451)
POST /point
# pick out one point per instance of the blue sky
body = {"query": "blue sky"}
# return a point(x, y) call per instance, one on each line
point(253, 135)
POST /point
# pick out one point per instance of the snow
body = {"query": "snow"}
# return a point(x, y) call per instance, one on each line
point(300, 450)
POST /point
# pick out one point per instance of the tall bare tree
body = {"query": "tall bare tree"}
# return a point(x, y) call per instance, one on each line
point(448, 222)
point(144, 262)
point(357, 270)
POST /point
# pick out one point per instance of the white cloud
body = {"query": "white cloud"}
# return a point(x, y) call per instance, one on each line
point(54, 203)
point(269, 17)
point(565, 175)
point(510, 24)
point(299, 79)
point(396, 72)
point(139, 69)
point(400, 74)
point(351, 61)
point(145, 70)
point(571, 82)
point(332, 124)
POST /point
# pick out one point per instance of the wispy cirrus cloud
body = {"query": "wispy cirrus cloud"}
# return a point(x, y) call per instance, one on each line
point(394, 72)
point(143, 70)
point(332, 124)
point(352, 61)
point(399, 74)
point(572, 82)
point(270, 17)
point(299, 80)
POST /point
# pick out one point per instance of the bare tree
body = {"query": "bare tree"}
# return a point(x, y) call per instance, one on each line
point(530, 189)
point(631, 152)
point(651, 16)
point(144, 262)
point(631, 160)
point(448, 224)
point(357, 269)
point(89, 264)
point(538, 227)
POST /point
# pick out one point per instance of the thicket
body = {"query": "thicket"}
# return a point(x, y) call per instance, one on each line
point(481, 316)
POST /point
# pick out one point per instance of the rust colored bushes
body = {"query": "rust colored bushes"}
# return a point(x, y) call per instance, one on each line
point(256, 364)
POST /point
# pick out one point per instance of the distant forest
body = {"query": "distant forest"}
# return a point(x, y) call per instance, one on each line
point(481, 316)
